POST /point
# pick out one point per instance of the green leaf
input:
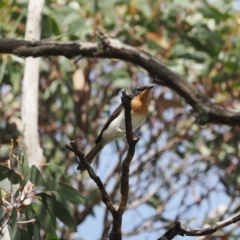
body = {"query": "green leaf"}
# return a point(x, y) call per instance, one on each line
point(14, 225)
point(64, 202)
point(6, 186)
point(54, 221)
point(43, 216)
point(92, 196)
point(71, 194)
point(57, 209)
point(3, 68)
point(55, 168)
point(15, 177)
point(15, 81)
point(180, 51)
point(24, 235)
point(79, 28)
point(16, 195)
point(52, 235)
point(5, 172)
point(122, 83)
point(36, 178)
point(36, 232)
point(24, 161)
point(145, 7)
point(222, 77)
point(182, 3)
point(52, 184)
point(71, 17)
point(209, 11)
point(51, 89)
point(29, 215)
point(154, 201)
point(1, 212)
point(112, 75)
point(23, 165)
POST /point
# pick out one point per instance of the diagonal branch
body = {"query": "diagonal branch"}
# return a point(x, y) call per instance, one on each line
point(178, 229)
point(105, 197)
point(108, 47)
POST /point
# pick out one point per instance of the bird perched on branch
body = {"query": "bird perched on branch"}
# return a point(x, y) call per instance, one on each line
point(114, 128)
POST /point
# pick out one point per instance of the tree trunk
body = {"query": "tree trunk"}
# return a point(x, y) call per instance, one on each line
point(30, 85)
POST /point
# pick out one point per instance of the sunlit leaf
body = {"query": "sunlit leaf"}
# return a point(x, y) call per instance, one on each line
point(210, 11)
point(182, 3)
point(6, 186)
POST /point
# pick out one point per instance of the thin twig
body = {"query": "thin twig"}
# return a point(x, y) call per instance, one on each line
point(105, 197)
point(27, 221)
point(126, 100)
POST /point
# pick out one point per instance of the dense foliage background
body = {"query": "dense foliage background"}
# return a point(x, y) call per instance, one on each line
point(181, 170)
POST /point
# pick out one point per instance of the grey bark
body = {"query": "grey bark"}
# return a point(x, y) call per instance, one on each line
point(29, 111)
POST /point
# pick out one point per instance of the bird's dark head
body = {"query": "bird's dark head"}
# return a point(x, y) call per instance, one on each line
point(140, 90)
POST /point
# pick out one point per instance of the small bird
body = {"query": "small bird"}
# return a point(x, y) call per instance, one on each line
point(114, 128)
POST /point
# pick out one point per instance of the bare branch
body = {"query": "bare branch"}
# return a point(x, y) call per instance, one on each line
point(117, 218)
point(117, 214)
point(105, 197)
point(126, 100)
point(108, 47)
point(178, 229)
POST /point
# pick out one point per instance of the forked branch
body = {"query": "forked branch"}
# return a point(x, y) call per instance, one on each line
point(116, 233)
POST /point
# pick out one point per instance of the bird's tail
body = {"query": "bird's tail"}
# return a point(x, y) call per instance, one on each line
point(91, 155)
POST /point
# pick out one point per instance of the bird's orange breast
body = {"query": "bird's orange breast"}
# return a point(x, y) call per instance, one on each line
point(140, 103)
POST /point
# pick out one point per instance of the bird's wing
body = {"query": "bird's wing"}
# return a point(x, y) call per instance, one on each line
point(114, 115)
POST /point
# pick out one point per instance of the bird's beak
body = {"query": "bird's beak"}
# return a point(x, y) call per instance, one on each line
point(150, 86)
